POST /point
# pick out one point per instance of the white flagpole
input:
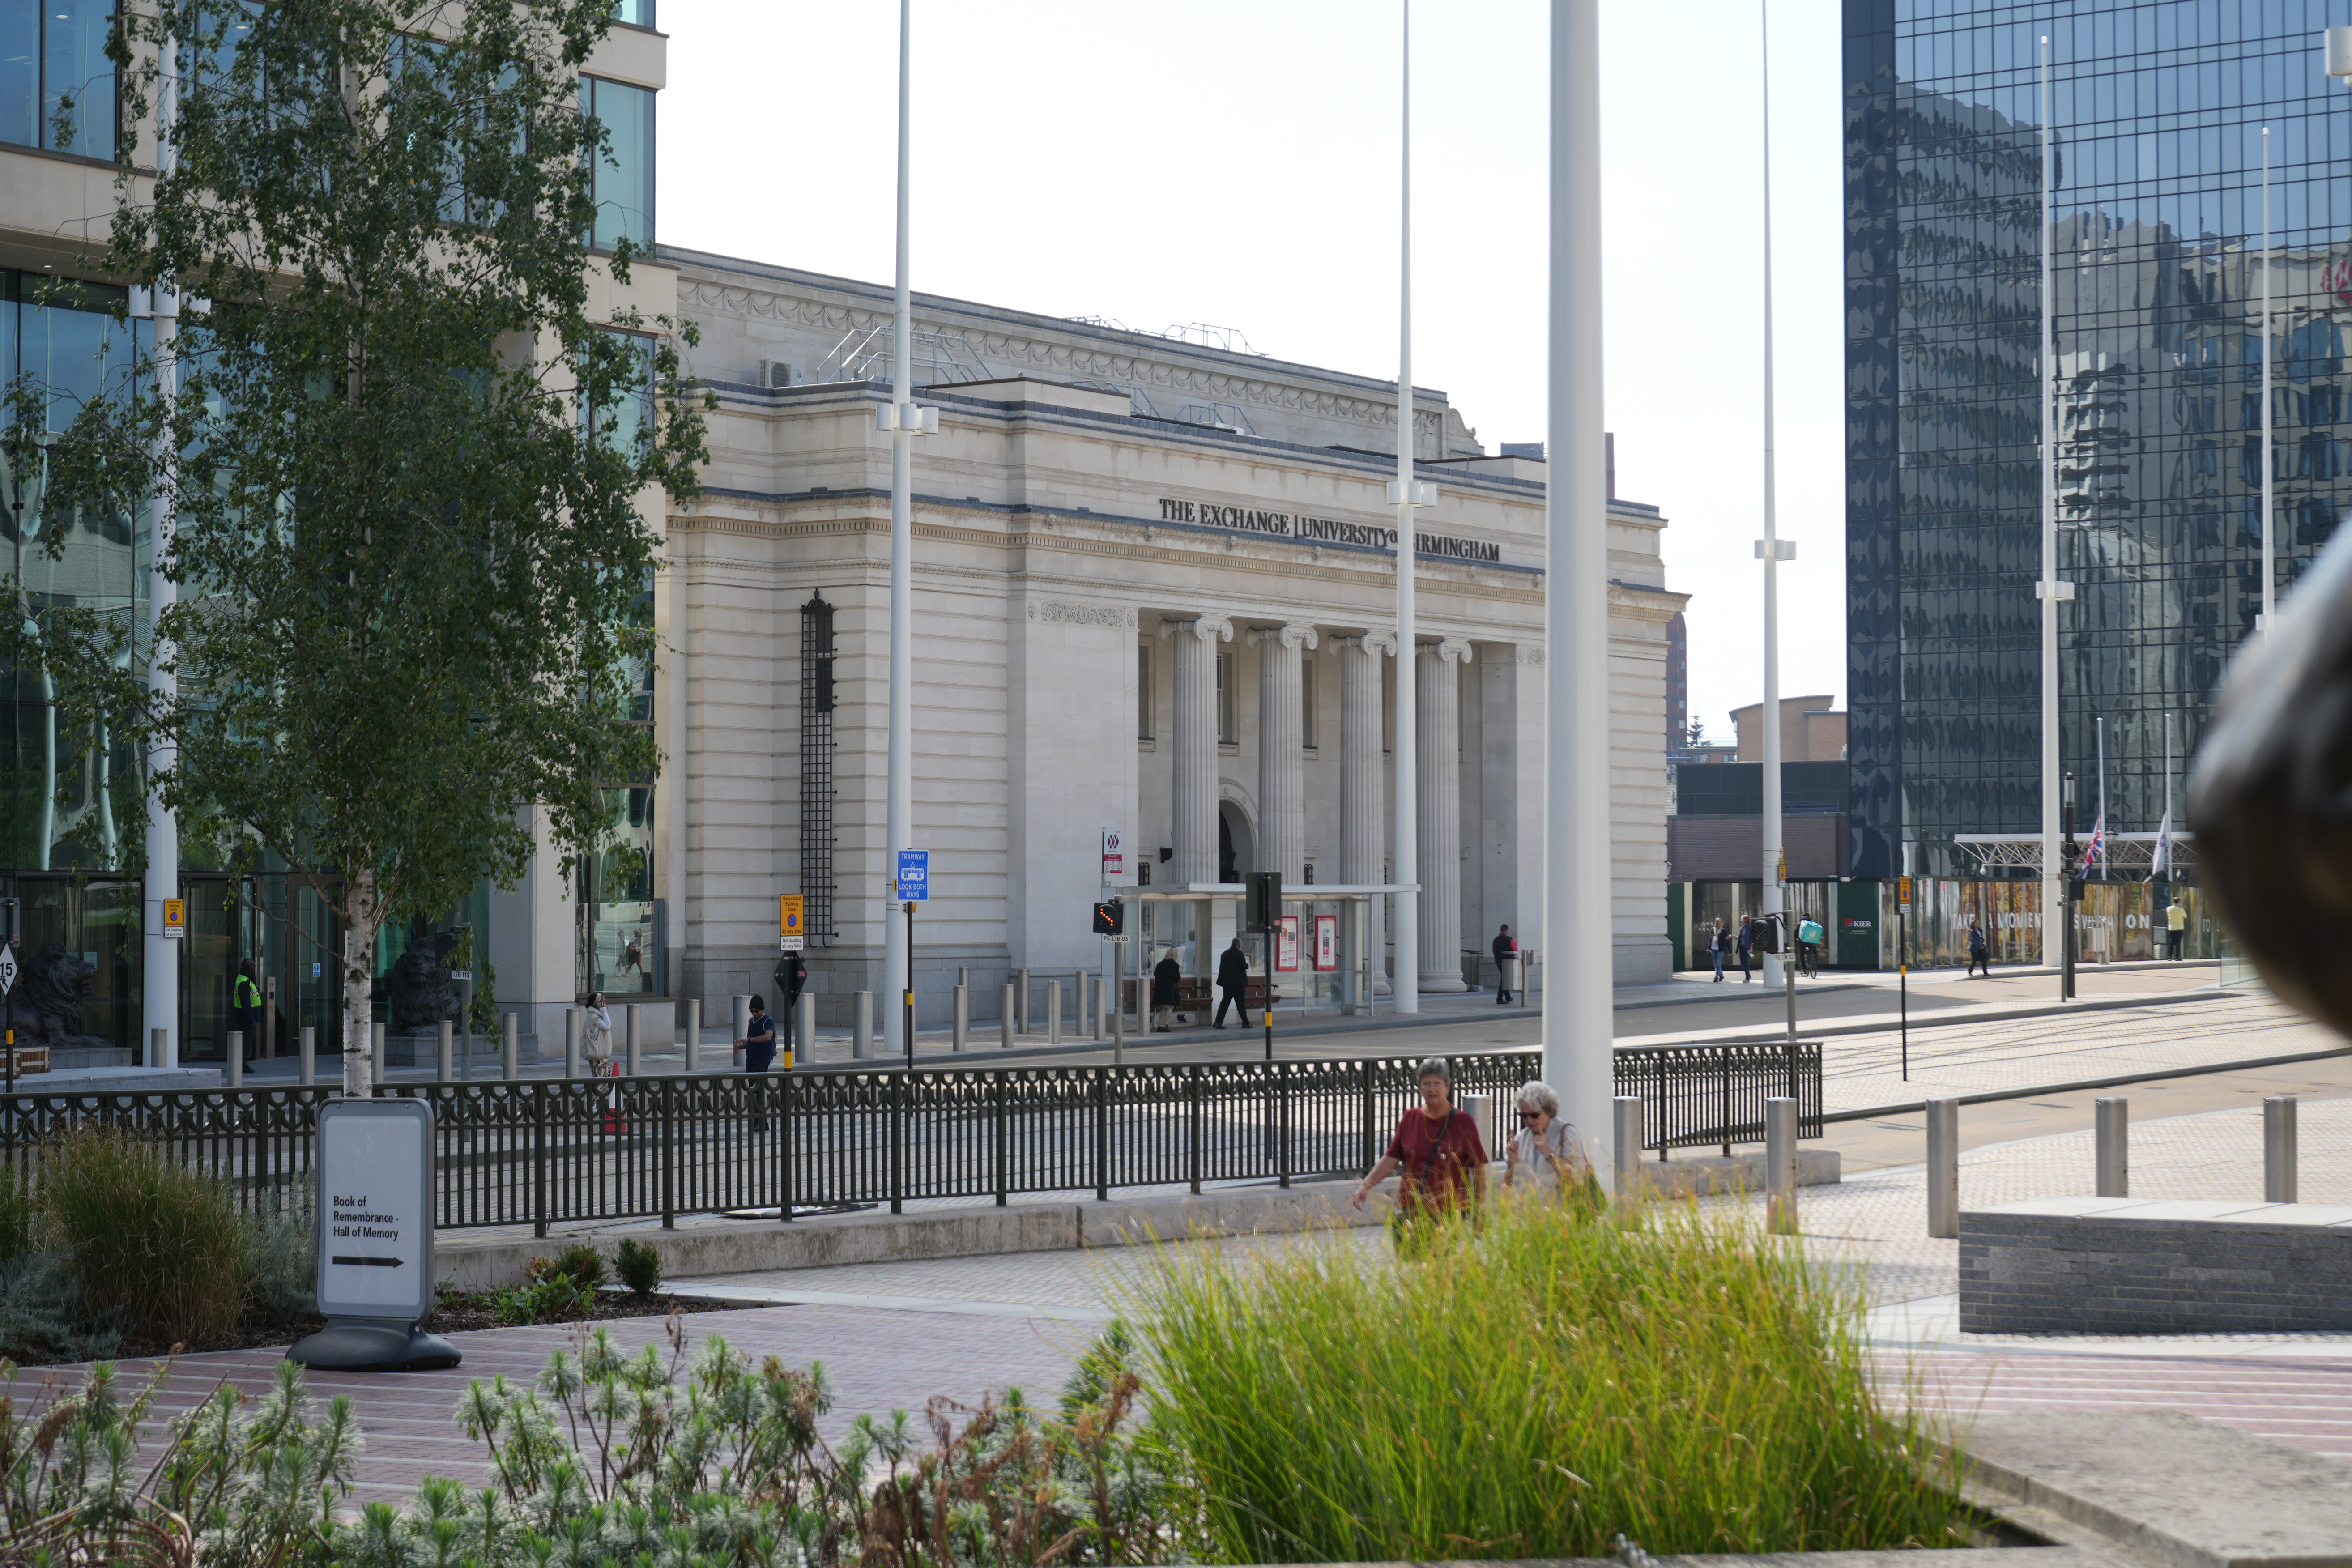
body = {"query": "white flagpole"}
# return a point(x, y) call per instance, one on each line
point(1776, 970)
point(898, 789)
point(1404, 986)
point(2270, 566)
point(2053, 881)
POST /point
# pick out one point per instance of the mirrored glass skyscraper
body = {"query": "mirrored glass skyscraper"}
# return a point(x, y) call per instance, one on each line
point(2156, 113)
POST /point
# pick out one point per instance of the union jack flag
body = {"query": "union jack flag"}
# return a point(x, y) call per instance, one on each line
point(2097, 848)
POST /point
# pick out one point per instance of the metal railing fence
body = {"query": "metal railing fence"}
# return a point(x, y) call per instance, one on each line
point(561, 1150)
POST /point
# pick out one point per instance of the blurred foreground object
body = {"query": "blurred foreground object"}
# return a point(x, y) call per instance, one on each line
point(2271, 796)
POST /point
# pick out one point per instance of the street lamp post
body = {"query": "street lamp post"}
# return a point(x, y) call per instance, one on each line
point(2050, 590)
point(1773, 550)
point(904, 421)
point(1575, 998)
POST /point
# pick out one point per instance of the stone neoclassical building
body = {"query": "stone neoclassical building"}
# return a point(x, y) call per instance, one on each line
point(1154, 593)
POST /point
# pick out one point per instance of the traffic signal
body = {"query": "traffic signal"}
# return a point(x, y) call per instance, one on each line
point(1110, 918)
point(1264, 900)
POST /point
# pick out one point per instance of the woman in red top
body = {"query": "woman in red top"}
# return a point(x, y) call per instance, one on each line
point(1440, 1152)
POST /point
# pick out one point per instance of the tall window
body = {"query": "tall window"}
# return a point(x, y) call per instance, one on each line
point(56, 86)
point(1307, 701)
point(621, 179)
point(817, 767)
point(1143, 691)
point(635, 12)
point(1225, 727)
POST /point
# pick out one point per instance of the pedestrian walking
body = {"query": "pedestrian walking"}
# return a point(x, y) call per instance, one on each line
point(1507, 953)
point(1167, 982)
point(1546, 1155)
point(1441, 1156)
point(1746, 947)
point(1980, 950)
point(1232, 984)
point(2175, 928)
point(1719, 944)
point(246, 997)
point(596, 1036)
point(758, 1048)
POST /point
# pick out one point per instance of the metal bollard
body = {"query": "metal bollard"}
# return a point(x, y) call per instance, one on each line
point(309, 1054)
point(1052, 1012)
point(962, 1017)
point(1944, 1167)
point(1627, 1132)
point(236, 1059)
point(572, 1067)
point(159, 1043)
point(1119, 1030)
point(2278, 1149)
point(448, 1061)
point(2114, 1163)
point(1004, 1024)
point(861, 1026)
point(1021, 996)
point(803, 1031)
point(1780, 1164)
point(1102, 1006)
point(375, 1066)
point(636, 1040)
point(694, 1034)
point(510, 1054)
point(1078, 999)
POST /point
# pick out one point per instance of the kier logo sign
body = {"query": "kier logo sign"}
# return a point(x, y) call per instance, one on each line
point(2335, 278)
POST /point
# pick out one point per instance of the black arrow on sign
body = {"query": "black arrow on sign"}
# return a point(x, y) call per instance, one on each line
point(366, 1260)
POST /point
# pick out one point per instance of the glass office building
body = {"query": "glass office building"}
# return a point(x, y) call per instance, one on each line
point(2156, 113)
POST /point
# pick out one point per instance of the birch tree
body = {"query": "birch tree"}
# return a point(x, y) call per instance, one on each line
point(407, 458)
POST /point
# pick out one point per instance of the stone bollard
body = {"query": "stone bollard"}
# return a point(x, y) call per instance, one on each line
point(572, 1064)
point(962, 1017)
point(158, 1044)
point(1944, 1167)
point(1052, 1012)
point(1626, 1130)
point(236, 1064)
point(803, 1031)
point(2278, 1149)
point(2114, 1159)
point(1004, 1024)
point(861, 1026)
point(694, 1034)
point(636, 1040)
point(1780, 1165)
point(309, 1074)
point(1021, 997)
point(445, 1063)
point(510, 1049)
point(1101, 989)
point(739, 1019)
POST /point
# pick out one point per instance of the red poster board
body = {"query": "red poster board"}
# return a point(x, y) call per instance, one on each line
point(1285, 945)
point(1326, 943)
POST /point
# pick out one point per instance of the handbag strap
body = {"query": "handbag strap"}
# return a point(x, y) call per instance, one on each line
point(1436, 1147)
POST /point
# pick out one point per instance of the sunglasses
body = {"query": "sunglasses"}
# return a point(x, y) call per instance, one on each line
point(1530, 1115)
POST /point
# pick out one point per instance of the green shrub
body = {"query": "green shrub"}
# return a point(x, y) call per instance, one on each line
point(284, 1287)
point(1531, 1389)
point(580, 1263)
point(639, 1267)
point(549, 1297)
point(163, 1246)
point(19, 1214)
point(41, 1313)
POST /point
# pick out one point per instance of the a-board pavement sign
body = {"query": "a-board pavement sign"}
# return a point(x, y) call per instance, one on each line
point(375, 1240)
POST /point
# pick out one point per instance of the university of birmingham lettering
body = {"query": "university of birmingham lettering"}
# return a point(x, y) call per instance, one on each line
point(1316, 530)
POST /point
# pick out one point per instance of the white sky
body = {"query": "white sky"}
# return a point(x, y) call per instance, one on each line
point(1237, 163)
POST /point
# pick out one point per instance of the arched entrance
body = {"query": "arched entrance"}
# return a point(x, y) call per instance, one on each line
point(1236, 844)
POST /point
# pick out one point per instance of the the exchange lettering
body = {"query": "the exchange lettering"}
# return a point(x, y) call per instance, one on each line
point(352, 1219)
point(1322, 529)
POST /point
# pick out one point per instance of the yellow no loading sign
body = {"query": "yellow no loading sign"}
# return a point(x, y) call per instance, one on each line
point(794, 935)
point(175, 916)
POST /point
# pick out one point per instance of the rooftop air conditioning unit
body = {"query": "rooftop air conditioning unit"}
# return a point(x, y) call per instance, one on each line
point(776, 372)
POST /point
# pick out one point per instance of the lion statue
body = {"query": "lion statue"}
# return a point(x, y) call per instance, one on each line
point(418, 986)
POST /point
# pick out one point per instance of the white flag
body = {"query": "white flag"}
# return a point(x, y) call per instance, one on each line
point(2162, 865)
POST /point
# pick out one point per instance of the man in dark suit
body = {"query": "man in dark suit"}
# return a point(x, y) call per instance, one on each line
point(1233, 983)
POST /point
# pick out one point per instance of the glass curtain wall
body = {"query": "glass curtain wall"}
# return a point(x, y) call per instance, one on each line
point(2156, 113)
point(56, 86)
point(623, 177)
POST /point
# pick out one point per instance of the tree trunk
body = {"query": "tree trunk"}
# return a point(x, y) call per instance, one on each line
point(359, 953)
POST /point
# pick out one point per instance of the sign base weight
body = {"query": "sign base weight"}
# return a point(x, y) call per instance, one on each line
point(373, 1344)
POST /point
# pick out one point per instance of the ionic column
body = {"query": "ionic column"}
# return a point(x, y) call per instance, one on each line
point(1437, 732)
point(1362, 814)
point(1194, 796)
point(1281, 768)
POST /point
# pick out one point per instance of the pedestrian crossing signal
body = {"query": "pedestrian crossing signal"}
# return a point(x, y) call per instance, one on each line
point(1110, 918)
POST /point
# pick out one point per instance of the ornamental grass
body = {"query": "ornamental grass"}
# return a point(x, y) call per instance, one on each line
point(1533, 1388)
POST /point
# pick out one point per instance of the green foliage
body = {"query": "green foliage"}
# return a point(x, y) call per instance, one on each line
point(553, 1299)
point(1531, 1390)
point(19, 1214)
point(41, 1313)
point(405, 460)
point(163, 1245)
point(283, 1287)
point(639, 1267)
point(580, 1262)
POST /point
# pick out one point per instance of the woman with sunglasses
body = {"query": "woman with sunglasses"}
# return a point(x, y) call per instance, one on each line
point(1546, 1155)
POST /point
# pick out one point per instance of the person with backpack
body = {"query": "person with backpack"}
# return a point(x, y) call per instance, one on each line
point(1441, 1156)
point(1978, 951)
